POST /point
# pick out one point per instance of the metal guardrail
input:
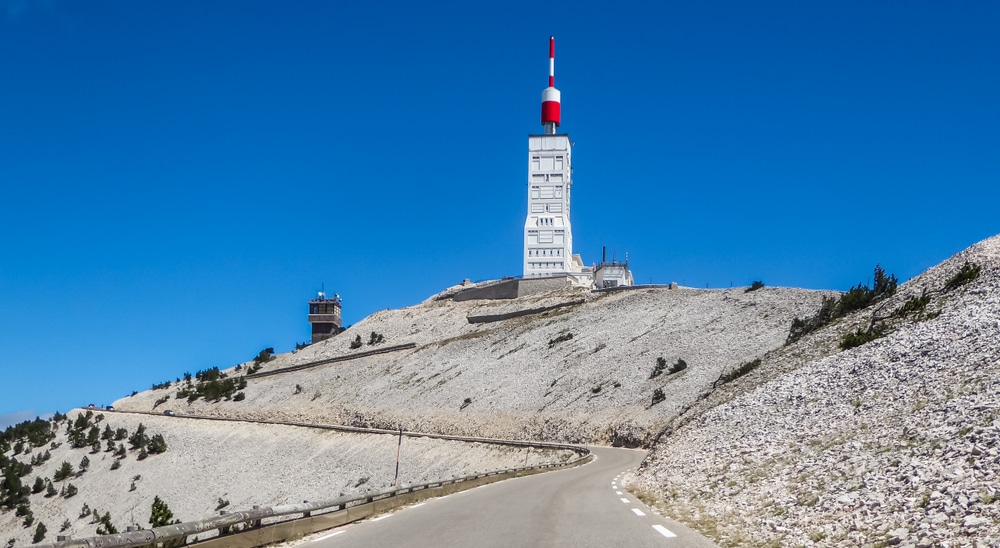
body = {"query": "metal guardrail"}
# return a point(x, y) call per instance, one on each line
point(222, 525)
point(253, 518)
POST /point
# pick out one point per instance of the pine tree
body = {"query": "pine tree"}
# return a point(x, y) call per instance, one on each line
point(139, 438)
point(157, 444)
point(161, 514)
point(39, 533)
point(65, 471)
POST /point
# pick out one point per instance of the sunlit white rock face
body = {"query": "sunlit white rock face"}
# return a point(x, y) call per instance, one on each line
point(897, 440)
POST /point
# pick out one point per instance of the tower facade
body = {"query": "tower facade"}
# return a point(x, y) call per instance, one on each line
point(324, 315)
point(548, 235)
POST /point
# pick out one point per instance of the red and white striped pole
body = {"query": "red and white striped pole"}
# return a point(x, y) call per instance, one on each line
point(552, 61)
point(551, 95)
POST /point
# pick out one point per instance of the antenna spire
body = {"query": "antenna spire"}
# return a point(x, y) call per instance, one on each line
point(551, 95)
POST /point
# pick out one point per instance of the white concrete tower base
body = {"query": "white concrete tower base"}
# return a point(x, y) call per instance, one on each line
point(548, 236)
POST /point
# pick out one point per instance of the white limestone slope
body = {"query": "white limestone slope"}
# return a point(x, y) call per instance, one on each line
point(893, 442)
point(521, 384)
point(243, 463)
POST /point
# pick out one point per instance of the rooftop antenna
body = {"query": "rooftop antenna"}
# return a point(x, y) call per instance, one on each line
point(322, 290)
point(551, 95)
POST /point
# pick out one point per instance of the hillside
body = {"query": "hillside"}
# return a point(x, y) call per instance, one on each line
point(577, 373)
point(891, 442)
point(243, 464)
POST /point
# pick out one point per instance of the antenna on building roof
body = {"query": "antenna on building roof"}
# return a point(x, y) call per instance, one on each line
point(550, 95)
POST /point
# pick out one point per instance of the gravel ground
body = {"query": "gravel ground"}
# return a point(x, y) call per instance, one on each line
point(895, 442)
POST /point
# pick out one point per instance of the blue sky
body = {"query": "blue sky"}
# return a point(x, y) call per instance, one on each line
point(179, 178)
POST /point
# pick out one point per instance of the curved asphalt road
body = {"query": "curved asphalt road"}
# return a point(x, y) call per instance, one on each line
point(578, 507)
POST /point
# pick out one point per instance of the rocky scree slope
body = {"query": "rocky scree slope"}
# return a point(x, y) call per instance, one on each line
point(577, 373)
point(243, 464)
point(894, 442)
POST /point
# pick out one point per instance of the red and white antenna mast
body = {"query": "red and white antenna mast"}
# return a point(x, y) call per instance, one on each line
point(550, 95)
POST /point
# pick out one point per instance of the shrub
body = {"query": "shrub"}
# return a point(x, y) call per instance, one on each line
point(913, 305)
point(561, 338)
point(661, 364)
point(222, 504)
point(856, 298)
point(263, 356)
point(116, 464)
point(757, 284)
point(240, 396)
point(375, 338)
point(681, 365)
point(65, 525)
point(658, 396)
point(160, 514)
point(157, 444)
point(356, 343)
point(70, 490)
point(966, 274)
point(65, 470)
point(743, 369)
point(39, 533)
point(39, 485)
point(84, 463)
point(467, 402)
point(596, 389)
point(861, 336)
point(138, 439)
point(106, 528)
point(50, 491)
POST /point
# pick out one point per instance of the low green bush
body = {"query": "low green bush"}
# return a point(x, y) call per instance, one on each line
point(743, 369)
point(861, 336)
point(856, 298)
point(561, 338)
point(966, 274)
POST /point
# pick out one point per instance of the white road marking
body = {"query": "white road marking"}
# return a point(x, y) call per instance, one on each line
point(418, 505)
point(328, 536)
point(618, 492)
point(664, 531)
point(625, 500)
point(381, 517)
point(638, 512)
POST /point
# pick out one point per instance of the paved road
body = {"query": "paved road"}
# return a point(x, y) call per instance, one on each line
point(578, 507)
